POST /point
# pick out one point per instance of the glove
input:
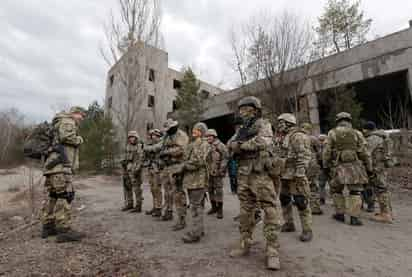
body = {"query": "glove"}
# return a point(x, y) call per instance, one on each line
point(80, 140)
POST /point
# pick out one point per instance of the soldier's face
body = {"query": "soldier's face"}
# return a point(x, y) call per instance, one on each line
point(246, 112)
point(78, 117)
point(196, 133)
point(210, 139)
point(282, 126)
point(132, 140)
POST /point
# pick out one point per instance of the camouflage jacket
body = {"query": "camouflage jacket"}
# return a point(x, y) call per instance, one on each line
point(195, 164)
point(172, 148)
point(316, 157)
point(66, 134)
point(253, 154)
point(134, 156)
point(297, 146)
point(218, 158)
point(379, 146)
point(345, 154)
point(151, 154)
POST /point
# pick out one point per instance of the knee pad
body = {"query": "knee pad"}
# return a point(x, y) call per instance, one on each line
point(301, 202)
point(355, 192)
point(53, 194)
point(285, 199)
point(381, 189)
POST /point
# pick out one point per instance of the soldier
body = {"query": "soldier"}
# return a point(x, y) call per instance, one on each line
point(56, 211)
point(132, 173)
point(314, 170)
point(217, 165)
point(171, 154)
point(251, 144)
point(152, 160)
point(345, 157)
point(195, 179)
point(323, 178)
point(380, 149)
point(296, 146)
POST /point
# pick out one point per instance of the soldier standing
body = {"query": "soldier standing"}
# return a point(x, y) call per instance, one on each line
point(380, 149)
point(217, 170)
point(345, 156)
point(314, 170)
point(171, 154)
point(323, 178)
point(132, 173)
point(56, 211)
point(251, 144)
point(152, 160)
point(297, 150)
point(195, 180)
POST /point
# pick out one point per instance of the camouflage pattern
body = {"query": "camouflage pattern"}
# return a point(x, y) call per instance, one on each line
point(379, 146)
point(217, 166)
point(297, 150)
point(56, 209)
point(132, 174)
point(172, 155)
point(152, 159)
point(346, 157)
point(196, 199)
point(256, 189)
point(314, 173)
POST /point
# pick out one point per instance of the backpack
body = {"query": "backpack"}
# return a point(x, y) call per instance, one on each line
point(38, 141)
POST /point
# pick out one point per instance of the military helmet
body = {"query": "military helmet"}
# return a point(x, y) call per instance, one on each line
point(288, 117)
point(155, 132)
point(343, 115)
point(211, 132)
point(78, 109)
point(322, 136)
point(370, 125)
point(307, 126)
point(250, 101)
point(170, 123)
point(202, 127)
point(132, 134)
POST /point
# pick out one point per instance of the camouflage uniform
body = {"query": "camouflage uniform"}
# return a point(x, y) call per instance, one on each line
point(323, 178)
point(171, 155)
point(346, 157)
point(217, 165)
point(295, 185)
point(132, 173)
point(152, 160)
point(56, 210)
point(256, 189)
point(380, 147)
point(195, 182)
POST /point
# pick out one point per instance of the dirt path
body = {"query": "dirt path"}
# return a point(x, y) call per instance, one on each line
point(125, 244)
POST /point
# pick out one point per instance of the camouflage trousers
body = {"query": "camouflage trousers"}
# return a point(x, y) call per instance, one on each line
point(314, 196)
point(297, 189)
point(215, 188)
point(155, 188)
point(352, 203)
point(196, 199)
point(256, 190)
point(132, 184)
point(380, 187)
point(173, 192)
point(57, 210)
point(323, 179)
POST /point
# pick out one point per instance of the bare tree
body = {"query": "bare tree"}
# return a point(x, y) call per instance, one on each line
point(12, 132)
point(265, 48)
point(395, 114)
point(129, 32)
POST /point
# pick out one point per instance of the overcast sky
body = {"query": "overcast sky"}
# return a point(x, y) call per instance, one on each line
point(49, 54)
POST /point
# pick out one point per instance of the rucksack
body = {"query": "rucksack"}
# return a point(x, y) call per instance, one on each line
point(38, 141)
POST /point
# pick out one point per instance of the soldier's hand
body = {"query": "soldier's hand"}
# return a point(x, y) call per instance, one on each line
point(235, 146)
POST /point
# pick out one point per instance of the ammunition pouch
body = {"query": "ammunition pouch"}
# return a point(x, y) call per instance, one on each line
point(68, 195)
point(348, 156)
point(248, 155)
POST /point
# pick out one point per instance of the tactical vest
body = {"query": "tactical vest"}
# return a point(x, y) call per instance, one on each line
point(346, 143)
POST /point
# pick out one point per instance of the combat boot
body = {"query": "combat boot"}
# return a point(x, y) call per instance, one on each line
point(180, 225)
point(213, 209)
point(49, 229)
point(157, 212)
point(317, 211)
point(370, 207)
point(273, 263)
point(219, 214)
point(137, 209)
point(339, 217)
point(383, 218)
point(68, 235)
point(150, 212)
point(126, 208)
point(306, 236)
point(322, 201)
point(288, 227)
point(168, 215)
point(355, 221)
point(190, 238)
point(242, 249)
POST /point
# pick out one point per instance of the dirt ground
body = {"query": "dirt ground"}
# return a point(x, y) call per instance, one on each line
point(126, 244)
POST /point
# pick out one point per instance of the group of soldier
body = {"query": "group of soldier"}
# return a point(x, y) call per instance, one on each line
point(276, 170)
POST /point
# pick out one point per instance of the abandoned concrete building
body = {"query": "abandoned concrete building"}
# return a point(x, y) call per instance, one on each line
point(142, 85)
point(380, 71)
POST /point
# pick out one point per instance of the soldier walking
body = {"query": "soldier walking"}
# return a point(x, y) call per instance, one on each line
point(195, 180)
point(296, 147)
point(348, 162)
point(132, 173)
point(56, 210)
point(217, 165)
point(251, 144)
point(323, 178)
